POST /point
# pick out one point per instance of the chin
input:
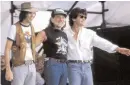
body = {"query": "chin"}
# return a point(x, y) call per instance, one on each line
point(59, 26)
point(82, 25)
point(58, 29)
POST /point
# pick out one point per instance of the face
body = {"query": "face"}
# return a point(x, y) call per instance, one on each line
point(58, 21)
point(30, 16)
point(80, 20)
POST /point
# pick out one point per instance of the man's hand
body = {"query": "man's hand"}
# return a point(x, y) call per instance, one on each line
point(9, 75)
point(123, 51)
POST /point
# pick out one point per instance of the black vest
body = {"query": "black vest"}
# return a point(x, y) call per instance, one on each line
point(56, 44)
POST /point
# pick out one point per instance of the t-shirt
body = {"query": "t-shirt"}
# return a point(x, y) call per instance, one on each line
point(56, 44)
point(27, 33)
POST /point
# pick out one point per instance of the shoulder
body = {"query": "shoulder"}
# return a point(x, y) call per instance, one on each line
point(47, 29)
point(13, 26)
point(12, 33)
point(67, 30)
point(42, 33)
point(64, 33)
point(12, 29)
point(88, 31)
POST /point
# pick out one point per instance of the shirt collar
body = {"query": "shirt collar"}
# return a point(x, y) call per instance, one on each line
point(72, 32)
point(24, 25)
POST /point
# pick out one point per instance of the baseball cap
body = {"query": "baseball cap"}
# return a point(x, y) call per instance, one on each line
point(58, 11)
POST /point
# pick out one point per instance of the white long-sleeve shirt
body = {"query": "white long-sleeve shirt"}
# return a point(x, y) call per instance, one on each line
point(82, 48)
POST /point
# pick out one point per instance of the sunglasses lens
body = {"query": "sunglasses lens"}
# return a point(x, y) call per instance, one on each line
point(81, 16)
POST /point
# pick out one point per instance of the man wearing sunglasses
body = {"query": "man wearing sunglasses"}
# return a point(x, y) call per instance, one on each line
point(80, 44)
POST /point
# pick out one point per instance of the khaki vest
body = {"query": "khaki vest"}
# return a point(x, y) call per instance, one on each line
point(19, 47)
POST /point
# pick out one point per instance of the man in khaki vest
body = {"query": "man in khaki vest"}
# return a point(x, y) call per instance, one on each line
point(21, 41)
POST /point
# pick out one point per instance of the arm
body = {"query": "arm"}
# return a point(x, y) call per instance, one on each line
point(41, 37)
point(9, 75)
point(108, 46)
point(11, 37)
point(103, 44)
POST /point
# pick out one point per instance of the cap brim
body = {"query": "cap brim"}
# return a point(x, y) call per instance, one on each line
point(64, 14)
point(29, 10)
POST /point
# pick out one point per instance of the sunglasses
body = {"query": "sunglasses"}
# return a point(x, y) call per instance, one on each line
point(82, 16)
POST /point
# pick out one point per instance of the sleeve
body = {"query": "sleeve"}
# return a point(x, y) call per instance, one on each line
point(12, 33)
point(103, 44)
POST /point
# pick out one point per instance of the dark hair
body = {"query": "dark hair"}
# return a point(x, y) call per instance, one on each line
point(23, 15)
point(50, 23)
point(74, 13)
point(52, 14)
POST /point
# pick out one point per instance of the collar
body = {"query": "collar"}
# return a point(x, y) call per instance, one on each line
point(24, 25)
point(72, 32)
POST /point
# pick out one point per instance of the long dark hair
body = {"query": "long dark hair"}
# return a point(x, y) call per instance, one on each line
point(23, 15)
point(74, 13)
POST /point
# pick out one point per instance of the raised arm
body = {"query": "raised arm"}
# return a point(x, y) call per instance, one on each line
point(108, 46)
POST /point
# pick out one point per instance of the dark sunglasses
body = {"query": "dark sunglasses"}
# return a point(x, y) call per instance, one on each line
point(82, 16)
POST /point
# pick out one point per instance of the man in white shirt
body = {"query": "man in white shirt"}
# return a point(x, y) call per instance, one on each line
point(80, 52)
point(23, 33)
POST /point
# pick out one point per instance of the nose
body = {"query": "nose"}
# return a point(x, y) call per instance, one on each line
point(62, 18)
point(33, 14)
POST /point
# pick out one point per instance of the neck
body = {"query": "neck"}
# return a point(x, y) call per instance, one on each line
point(25, 22)
point(76, 28)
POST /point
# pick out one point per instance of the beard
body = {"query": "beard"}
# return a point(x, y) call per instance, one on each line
point(59, 26)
